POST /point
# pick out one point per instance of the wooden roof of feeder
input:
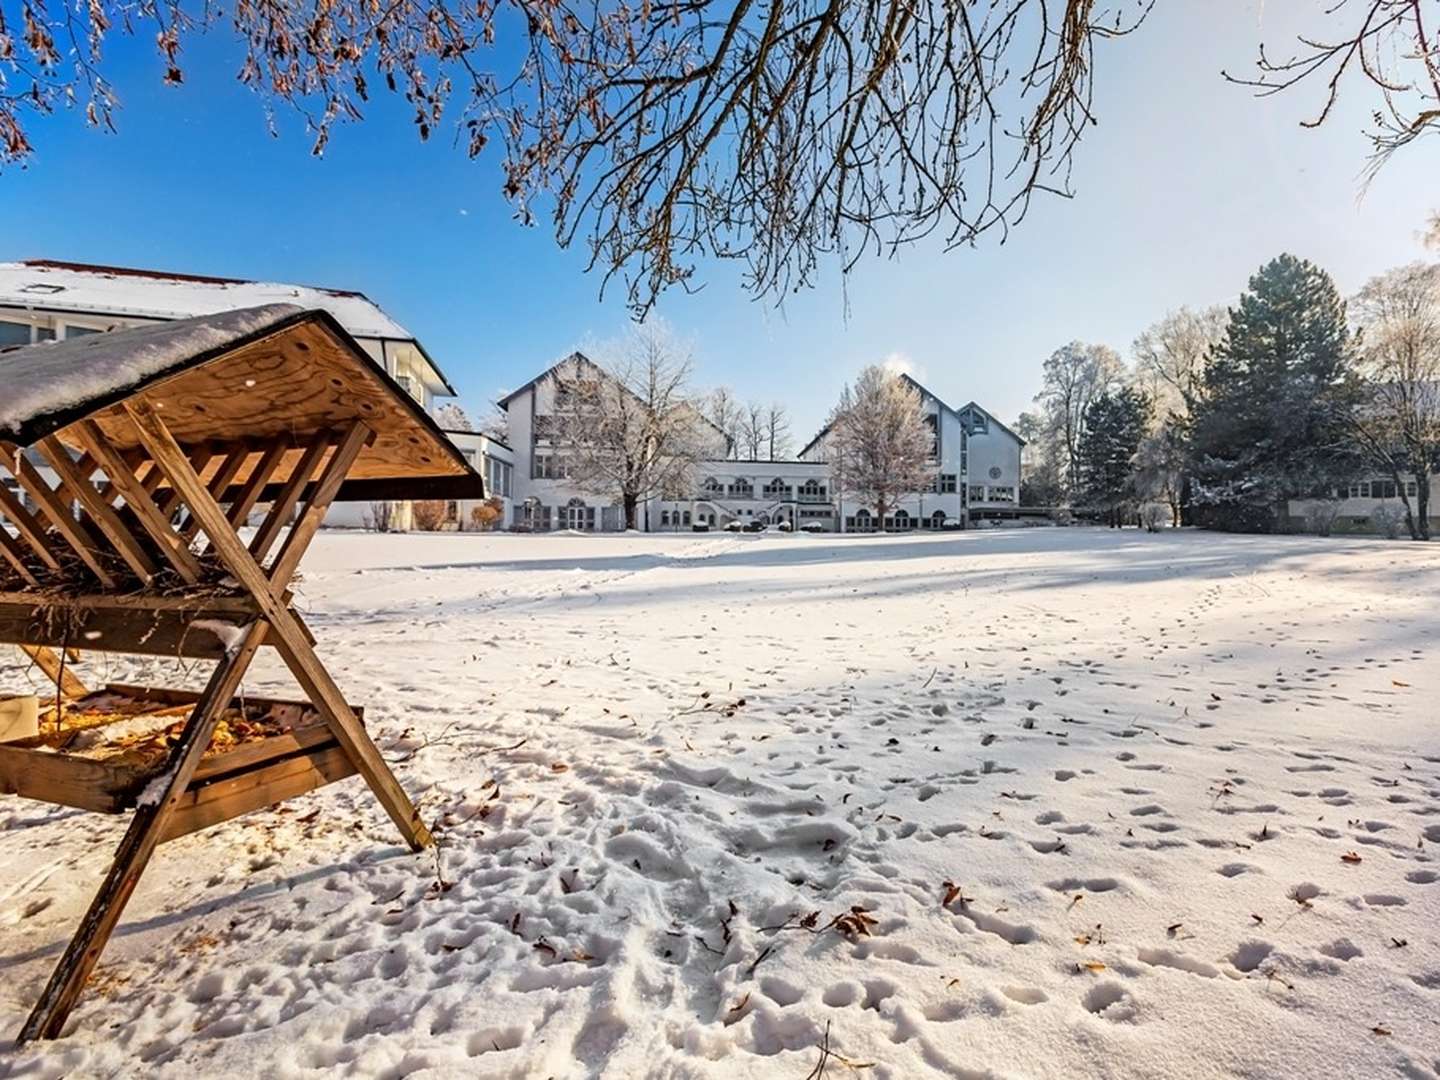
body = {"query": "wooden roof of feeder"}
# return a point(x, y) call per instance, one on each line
point(239, 377)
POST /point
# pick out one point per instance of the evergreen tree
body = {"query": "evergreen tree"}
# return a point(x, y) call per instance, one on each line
point(1273, 423)
point(1114, 425)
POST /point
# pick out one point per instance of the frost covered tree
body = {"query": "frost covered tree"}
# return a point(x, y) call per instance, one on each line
point(1398, 420)
point(783, 133)
point(1276, 419)
point(1115, 422)
point(777, 431)
point(451, 417)
point(724, 410)
point(1172, 355)
point(1074, 376)
point(1039, 465)
point(629, 427)
point(879, 442)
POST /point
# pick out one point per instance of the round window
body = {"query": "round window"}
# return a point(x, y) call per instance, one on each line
point(994, 472)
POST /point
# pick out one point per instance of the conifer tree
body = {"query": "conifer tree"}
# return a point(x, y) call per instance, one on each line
point(1274, 421)
point(1114, 425)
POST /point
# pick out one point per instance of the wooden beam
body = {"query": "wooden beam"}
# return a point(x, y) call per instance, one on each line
point(259, 477)
point(55, 508)
point(30, 530)
point(14, 554)
point(200, 459)
point(174, 549)
point(147, 827)
point(289, 638)
point(284, 504)
point(224, 476)
point(76, 480)
point(55, 669)
point(347, 449)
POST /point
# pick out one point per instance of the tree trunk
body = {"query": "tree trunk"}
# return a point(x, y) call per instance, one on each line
point(880, 508)
point(630, 503)
point(1422, 505)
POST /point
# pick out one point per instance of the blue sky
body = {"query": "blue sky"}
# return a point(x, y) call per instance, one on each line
point(1184, 188)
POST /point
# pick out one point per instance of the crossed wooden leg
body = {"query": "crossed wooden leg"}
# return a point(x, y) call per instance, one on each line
point(276, 623)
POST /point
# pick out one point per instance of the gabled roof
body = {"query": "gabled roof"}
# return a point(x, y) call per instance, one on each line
point(994, 420)
point(576, 357)
point(85, 288)
point(580, 358)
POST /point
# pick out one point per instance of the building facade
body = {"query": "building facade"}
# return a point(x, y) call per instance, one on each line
point(976, 463)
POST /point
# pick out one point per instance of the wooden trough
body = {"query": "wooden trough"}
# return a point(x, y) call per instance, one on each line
point(163, 441)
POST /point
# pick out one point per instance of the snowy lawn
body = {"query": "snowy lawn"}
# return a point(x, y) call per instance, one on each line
point(1029, 803)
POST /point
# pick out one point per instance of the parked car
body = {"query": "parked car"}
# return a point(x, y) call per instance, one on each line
point(755, 526)
point(733, 526)
point(812, 527)
point(783, 526)
point(700, 526)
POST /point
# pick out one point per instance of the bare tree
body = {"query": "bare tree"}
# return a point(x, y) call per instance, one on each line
point(879, 442)
point(1392, 44)
point(629, 427)
point(1398, 426)
point(1075, 375)
point(1172, 355)
point(495, 424)
point(752, 431)
point(777, 132)
point(777, 431)
point(724, 410)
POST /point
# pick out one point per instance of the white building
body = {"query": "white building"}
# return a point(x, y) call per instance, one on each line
point(976, 464)
point(45, 300)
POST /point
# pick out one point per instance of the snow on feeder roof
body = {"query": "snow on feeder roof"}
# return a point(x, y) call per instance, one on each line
point(252, 374)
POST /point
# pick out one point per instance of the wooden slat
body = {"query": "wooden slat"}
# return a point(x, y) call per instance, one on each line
point(147, 826)
point(219, 484)
point(299, 656)
point(347, 449)
point(57, 671)
point(284, 504)
point(142, 632)
point(255, 484)
point(55, 509)
point(169, 503)
point(174, 549)
point(76, 480)
point(12, 553)
point(31, 531)
point(209, 804)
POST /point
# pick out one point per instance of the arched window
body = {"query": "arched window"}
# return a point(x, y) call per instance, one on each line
point(742, 489)
point(812, 491)
point(937, 519)
point(777, 489)
point(712, 487)
point(902, 519)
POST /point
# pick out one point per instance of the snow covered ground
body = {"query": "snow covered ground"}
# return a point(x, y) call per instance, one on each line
point(1027, 803)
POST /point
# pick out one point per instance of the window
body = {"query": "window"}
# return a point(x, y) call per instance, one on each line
point(933, 423)
point(14, 333)
point(1411, 489)
point(712, 488)
point(686, 517)
point(742, 489)
point(812, 491)
point(947, 483)
point(977, 493)
point(977, 422)
point(499, 476)
point(73, 331)
point(550, 467)
point(1382, 489)
point(777, 489)
point(901, 520)
point(1002, 494)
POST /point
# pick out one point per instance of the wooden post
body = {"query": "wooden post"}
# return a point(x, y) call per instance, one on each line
point(289, 637)
point(49, 661)
point(147, 826)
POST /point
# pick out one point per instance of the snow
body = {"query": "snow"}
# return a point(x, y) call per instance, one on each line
point(50, 377)
point(142, 294)
point(1137, 766)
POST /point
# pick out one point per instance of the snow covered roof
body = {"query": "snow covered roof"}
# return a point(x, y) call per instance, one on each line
point(51, 383)
point(80, 287)
point(243, 377)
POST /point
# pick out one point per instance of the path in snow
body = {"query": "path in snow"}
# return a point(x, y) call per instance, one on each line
point(1091, 793)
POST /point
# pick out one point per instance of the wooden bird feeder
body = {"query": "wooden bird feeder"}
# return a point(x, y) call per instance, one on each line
point(162, 441)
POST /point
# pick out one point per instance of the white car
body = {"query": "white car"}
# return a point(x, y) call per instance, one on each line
point(812, 527)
